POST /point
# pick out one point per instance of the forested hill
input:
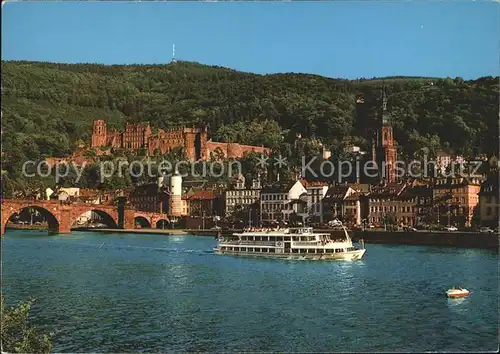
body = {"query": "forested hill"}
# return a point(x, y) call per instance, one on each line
point(48, 107)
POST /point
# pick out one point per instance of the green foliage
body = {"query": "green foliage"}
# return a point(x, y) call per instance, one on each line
point(48, 107)
point(17, 335)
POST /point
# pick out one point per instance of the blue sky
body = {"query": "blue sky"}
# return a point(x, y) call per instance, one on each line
point(346, 39)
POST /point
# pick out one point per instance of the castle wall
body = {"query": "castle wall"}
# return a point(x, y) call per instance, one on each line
point(165, 141)
point(244, 149)
point(233, 150)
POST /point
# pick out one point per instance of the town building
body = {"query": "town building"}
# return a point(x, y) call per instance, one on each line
point(240, 198)
point(279, 202)
point(444, 160)
point(203, 204)
point(423, 209)
point(150, 197)
point(315, 194)
point(489, 206)
point(193, 141)
point(345, 202)
point(62, 194)
point(387, 205)
point(455, 199)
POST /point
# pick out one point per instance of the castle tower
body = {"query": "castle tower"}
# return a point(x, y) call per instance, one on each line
point(203, 142)
point(175, 206)
point(99, 133)
point(189, 144)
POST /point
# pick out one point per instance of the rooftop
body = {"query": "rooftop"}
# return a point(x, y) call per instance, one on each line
point(201, 195)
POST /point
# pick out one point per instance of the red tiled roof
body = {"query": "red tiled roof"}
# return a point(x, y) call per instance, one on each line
point(201, 195)
point(89, 192)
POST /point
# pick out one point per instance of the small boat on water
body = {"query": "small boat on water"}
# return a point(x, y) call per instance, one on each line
point(290, 243)
point(457, 292)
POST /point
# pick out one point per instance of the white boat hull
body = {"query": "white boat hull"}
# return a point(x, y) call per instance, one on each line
point(344, 256)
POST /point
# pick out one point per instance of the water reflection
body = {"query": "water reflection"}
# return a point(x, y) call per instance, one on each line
point(177, 238)
point(458, 305)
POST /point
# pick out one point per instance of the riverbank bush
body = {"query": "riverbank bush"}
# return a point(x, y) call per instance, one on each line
point(18, 335)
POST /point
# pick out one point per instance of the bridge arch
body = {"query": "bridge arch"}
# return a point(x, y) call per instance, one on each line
point(142, 221)
point(104, 216)
point(162, 224)
point(8, 212)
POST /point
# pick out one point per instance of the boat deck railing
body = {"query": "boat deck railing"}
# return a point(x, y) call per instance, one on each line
point(258, 243)
point(306, 243)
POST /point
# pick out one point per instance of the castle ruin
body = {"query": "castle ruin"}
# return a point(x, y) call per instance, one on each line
point(193, 141)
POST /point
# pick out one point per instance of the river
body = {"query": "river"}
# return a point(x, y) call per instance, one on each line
point(150, 293)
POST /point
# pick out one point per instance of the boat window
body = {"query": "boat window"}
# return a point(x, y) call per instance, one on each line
point(272, 250)
point(329, 250)
point(310, 251)
point(294, 250)
point(338, 250)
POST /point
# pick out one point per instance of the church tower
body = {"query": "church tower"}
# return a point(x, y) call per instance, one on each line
point(386, 143)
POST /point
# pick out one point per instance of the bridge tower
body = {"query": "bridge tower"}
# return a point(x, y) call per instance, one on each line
point(175, 194)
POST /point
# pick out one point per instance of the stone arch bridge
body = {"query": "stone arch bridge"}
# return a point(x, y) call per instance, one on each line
point(153, 220)
point(61, 215)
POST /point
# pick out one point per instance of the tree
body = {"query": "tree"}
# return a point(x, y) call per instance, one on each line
point(390, 221)
point(18, 335)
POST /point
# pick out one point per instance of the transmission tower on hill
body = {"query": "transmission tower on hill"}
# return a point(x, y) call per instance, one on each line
point(173, 54)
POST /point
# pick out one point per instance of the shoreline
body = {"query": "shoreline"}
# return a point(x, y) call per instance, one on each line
point(420, 238)
point(166, 232)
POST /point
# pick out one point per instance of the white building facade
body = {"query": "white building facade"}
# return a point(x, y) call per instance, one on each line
point(279, 202)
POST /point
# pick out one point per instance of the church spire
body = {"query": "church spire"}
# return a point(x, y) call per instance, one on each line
point(384, 100)
point(386, 118)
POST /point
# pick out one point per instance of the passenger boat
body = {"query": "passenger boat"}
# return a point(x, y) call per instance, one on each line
point(290, 243)
point(457, 292)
